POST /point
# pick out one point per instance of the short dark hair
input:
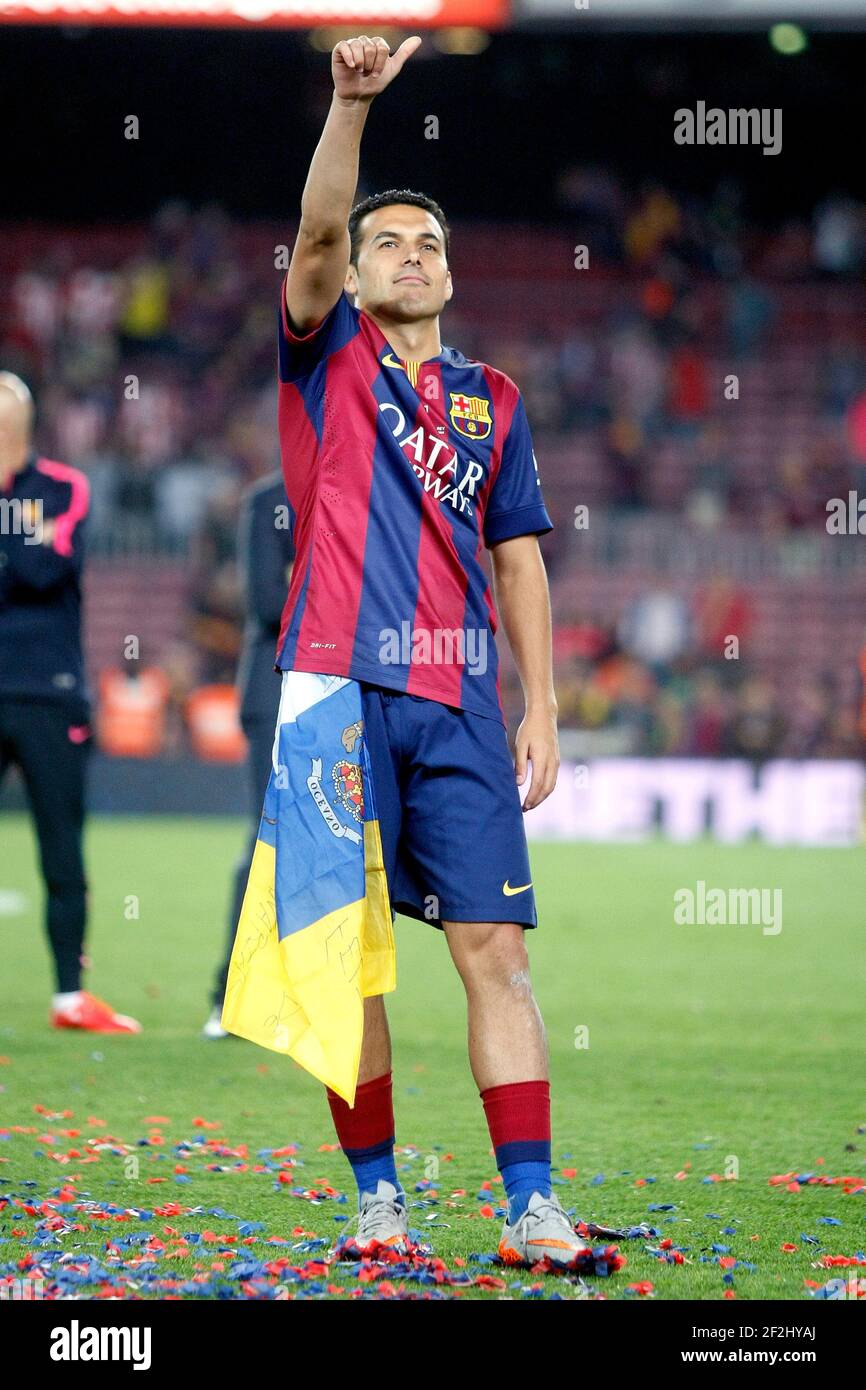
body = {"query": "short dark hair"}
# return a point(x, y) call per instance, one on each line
point(386, 200)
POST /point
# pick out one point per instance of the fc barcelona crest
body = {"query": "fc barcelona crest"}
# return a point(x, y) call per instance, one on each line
point(470, 415)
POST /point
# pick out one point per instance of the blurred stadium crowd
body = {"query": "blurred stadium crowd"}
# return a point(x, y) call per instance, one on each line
point(151, 352)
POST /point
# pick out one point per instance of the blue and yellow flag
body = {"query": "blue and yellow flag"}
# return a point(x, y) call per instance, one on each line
point(315, 935)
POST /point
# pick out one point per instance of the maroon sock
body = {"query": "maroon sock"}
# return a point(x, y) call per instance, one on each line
point(518, 1117)
point(366, 1132)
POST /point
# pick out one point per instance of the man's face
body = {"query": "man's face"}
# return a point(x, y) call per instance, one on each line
point(401, 272)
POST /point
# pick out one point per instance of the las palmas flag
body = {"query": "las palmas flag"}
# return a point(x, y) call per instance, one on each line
point(315, 934)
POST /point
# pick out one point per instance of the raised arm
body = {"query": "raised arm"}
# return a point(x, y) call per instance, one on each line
point(361, 68)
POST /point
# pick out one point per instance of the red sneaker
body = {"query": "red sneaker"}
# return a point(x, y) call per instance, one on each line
point(93, 1015)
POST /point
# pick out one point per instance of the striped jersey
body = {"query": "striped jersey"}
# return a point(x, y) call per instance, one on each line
point(398, 473)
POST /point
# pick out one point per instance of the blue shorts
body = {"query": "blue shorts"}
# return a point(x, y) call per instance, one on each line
point(453, 838)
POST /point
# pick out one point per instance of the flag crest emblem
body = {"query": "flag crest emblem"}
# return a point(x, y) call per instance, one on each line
point(349, 787)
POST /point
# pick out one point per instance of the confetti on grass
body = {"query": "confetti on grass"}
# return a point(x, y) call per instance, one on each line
point(78, 1245)
point(852, 1186)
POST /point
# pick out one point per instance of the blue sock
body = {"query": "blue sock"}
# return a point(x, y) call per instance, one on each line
point(520, 1180)
point(369, 1165)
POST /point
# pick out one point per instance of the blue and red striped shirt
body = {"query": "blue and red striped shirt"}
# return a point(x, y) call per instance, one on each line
point(398, 473)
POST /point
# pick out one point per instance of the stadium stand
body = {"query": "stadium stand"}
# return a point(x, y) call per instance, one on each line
point(700, 393)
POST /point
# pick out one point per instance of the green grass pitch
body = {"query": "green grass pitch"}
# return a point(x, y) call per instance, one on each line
point(710, 1049)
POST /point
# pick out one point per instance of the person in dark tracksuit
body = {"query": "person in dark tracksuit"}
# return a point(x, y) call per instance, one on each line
point(266, 553)
point(44, 702)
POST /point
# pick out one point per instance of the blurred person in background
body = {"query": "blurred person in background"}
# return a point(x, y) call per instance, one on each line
point(709, 499)
point(721, 611)
point(656, 628)
point(626, 464)
point(707, 718)
point(809, 708)
point(758, 726)
point(749, 314)
point(266, 553)
point(44, 702)
point(216, 593)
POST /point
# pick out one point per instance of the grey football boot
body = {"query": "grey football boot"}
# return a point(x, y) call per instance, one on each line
point(543, 1229)
point(382, 1220)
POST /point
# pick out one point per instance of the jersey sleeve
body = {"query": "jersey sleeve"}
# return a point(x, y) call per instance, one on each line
point(515, 506)
point(301, 353)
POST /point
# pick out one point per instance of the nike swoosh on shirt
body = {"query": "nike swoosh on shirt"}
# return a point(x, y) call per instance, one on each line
point(509, 891)
point(389, 360)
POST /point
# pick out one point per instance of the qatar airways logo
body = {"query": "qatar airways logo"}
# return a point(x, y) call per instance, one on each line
point(435, 462)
